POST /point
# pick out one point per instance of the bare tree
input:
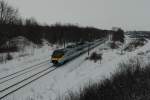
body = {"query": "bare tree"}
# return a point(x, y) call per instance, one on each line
point(8, 14)
point(2, 10)
point(31, 22)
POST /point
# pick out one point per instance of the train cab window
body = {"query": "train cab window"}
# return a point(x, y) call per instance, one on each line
point(58, 53)
point(70, 46)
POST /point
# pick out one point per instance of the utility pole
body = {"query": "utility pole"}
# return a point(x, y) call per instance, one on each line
point(88, 50)
point(88, 44)
point(43, 35)
point(64, 43)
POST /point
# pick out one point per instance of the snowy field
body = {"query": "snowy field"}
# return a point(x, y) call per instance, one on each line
point(19, 63)
point(31, 55)
point(73, 75)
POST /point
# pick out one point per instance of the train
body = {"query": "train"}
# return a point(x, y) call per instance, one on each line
point(61, 56)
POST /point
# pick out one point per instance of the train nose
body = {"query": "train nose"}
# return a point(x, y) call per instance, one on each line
point(54, 61)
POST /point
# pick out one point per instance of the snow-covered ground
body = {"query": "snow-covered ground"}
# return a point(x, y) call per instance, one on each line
point(30, 56)
point(74, 75)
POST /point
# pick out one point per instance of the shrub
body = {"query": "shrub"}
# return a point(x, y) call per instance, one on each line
point(112, 45)
point(9, 57)
point(134, 44)
point(94, 56)
point(131, 82)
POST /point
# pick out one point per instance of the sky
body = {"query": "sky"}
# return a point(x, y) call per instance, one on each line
point(104, 14)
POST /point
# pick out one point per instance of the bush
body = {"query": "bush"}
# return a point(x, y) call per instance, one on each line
point(94, 56)
point(134, 44)
point(131, 82)
point(9, 57)
point(112, 45)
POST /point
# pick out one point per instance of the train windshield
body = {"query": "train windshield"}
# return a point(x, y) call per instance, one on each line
point(70, 46)
point(58, 53)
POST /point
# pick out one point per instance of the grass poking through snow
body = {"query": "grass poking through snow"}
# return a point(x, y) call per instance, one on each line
point(131, 82)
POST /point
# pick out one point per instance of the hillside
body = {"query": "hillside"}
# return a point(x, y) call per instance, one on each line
point(76, 74)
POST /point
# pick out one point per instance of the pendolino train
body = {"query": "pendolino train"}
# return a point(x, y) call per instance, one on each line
point(61, 56)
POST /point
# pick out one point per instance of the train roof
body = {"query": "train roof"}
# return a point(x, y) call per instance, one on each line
point(71, 46)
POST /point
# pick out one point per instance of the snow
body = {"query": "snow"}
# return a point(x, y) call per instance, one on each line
point(22, 62)
point(30, 56)
point(73, 75)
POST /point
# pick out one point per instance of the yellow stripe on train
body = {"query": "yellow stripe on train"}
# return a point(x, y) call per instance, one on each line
point(56, 58)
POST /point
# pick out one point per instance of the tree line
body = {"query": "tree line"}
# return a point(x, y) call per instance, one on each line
point(12, 25)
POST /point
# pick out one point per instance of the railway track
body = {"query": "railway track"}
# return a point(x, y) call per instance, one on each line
point(20, 71)
point(22, 83)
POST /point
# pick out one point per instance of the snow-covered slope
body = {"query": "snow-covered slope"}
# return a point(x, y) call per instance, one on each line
point(29, 54)
point(78, 73)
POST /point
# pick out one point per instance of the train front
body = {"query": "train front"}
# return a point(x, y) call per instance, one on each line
point(57, 57)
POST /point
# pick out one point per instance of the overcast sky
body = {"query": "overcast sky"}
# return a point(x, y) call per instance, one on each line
point(105, 14)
